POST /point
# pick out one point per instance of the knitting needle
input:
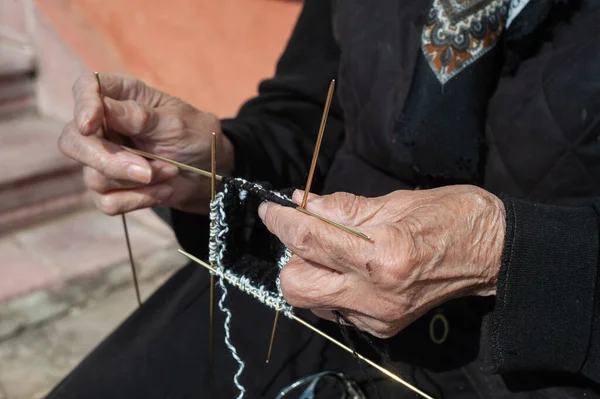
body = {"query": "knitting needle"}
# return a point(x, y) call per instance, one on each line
point(213, 168)
point(175, 163)
point(324, 335)
point(311, 174)
point(315, 157)
point(272, 336)
point(219, 178)
point(105, 132)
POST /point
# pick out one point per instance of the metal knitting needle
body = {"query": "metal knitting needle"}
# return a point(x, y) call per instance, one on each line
point(213, 168)
point(219, 178)
point(174, 163)
point(324, 335)
point(106, 134)
point(336, 224)
point(315, 157)
point(311, 174)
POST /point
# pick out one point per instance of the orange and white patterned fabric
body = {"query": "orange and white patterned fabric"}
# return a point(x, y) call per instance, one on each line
point(458, 32)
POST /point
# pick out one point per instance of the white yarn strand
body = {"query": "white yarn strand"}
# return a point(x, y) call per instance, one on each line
point(218, 233)
point(227, 324)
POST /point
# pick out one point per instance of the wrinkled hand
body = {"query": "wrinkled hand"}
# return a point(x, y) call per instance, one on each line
point(156, 123)
point(427, 247)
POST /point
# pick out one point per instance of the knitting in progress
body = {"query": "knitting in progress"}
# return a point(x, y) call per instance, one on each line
point(257, 277)
point(238, 255)
point(232, 216)
point(253, 275)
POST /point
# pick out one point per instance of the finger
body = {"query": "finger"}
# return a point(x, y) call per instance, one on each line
point(345, 208)
point(365, 323)
point(324, 314)
point(89, 109)
point(104, 156)
point(317, 241)
point(122, 201)
point(99, 183)
point(134, 119)
point(309, 285)
point(329, 314)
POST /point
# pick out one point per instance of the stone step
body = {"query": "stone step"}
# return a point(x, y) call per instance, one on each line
point(17, 77)
point(36, 180)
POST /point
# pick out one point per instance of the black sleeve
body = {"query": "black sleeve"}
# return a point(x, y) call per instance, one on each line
point(274, 133)
point(547, 313)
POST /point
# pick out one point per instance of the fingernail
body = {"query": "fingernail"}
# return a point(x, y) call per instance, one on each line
point(85, 123)
point(163, 193)
point(262, 210)
point(139, 174)
point(316, 200)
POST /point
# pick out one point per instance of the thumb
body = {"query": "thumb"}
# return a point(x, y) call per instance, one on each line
point(132, 118)
point(341, 207)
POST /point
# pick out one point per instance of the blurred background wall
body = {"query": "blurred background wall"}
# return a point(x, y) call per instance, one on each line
point(64, 277)
point(211, 53)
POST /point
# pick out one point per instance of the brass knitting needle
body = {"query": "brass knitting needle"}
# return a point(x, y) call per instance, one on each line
point(106, 133)
point(274, 329)
point(174, 163)
point(219, 178)
point(315, 157)
point(311, 174)
point(324, 335)
point(213, 169)
point(336, 224)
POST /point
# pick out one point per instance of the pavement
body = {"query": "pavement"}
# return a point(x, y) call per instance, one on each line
point(66, 284)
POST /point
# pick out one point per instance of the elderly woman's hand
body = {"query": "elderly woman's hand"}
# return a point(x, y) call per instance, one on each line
point(426, 247)
point(156, 122)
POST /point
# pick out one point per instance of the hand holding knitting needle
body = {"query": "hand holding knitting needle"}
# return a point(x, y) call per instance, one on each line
point(427, 247)
point(163, 125)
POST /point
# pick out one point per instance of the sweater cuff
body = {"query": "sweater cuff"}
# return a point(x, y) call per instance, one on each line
point(546, 288)
point(241, 137)
point(591, 368)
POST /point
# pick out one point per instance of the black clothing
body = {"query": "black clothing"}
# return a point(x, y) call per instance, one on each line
point(531, 136)
point(542, 146)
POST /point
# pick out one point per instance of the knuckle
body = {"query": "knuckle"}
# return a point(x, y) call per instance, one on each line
point(82, 81)
point(94, 180)
point(303, 239)
point(387, 316)
point(349, 205)
point(385, 331)
point(289, 287)
point(135, 87)
point(176, 123)
point(141, 117)
point(394, 266)
point(63, 141)
point(130, 85)
point(394, 269)
point(66, 139)
point(103, 164)
point(107, 204)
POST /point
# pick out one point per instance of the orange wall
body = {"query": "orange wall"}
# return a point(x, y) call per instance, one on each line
point(211, 53)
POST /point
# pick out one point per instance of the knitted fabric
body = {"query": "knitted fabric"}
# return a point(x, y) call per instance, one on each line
point(230, 253)
point(255, 276)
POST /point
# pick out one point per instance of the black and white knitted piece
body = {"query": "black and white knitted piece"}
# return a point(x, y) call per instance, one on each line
point(254, 272)
point(258, 277)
